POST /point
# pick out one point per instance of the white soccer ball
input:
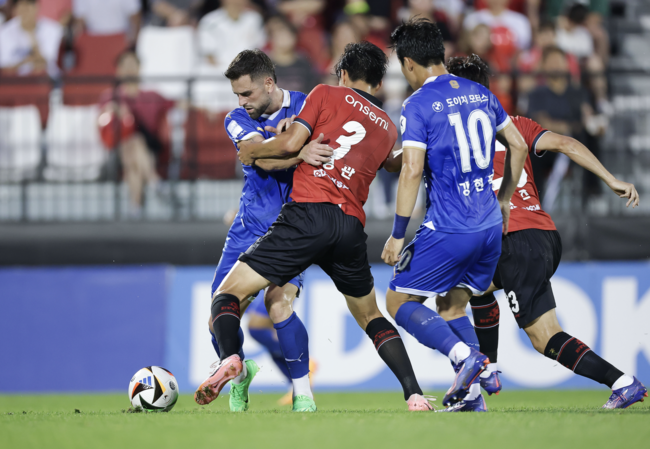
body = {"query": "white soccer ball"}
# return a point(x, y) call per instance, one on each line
point(154, 389)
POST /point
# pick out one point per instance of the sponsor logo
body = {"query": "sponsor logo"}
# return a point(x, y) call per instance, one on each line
point(234, 129)
point(320, 173)
point(437, 106)
point(146, 381)
point(366, 110)
point(172, 385)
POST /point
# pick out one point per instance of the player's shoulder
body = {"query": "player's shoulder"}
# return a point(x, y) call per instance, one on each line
point(239, 124)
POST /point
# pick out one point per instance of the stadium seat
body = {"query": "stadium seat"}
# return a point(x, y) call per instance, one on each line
point(167, 53)
point(94, 68)
point(20, 142)
point(209, 153)
point(74, 149)
point(26, 90)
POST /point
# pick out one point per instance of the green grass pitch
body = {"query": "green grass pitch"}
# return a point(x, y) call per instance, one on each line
point(517, 419)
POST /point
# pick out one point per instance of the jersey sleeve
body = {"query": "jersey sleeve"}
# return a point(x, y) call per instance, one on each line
point(312, 107)
point(240, 127)
point(531, 132)
point(413, 127)
point(502, 117)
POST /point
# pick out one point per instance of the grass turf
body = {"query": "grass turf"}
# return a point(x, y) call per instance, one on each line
point(517, 419)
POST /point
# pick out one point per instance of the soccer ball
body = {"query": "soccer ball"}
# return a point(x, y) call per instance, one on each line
point(153, 389)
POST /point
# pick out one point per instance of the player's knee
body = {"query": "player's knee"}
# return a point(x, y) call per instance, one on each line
point(278, 306)
point(393, 302)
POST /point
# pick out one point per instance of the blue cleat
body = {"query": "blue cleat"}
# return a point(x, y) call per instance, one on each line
point(491, 384)
point(626, 396)
point(468, 370)
point(475, 405)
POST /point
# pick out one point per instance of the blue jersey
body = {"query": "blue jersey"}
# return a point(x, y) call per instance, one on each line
point(264, 192)
point(455, 121)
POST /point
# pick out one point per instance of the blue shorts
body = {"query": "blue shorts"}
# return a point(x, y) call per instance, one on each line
point(435, 262)
point(239, 239)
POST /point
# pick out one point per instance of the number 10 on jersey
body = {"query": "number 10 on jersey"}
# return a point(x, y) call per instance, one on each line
point(482, 150)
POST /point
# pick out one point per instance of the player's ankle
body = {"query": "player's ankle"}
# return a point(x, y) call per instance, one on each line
point(622, 382)
point(240, 378)
point(459, 352)
point(301, 387)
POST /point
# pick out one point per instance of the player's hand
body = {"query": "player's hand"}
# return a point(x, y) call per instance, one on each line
point(392, 250)
point(283, 125)
point(316, 153)
point(625, 190)
point(244, 156)
point(505, 212)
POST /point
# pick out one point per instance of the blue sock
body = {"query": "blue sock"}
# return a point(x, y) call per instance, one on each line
point(266, 337)
point(215, 345)
point(464, 330)
point(294, 342)
point(426, 326)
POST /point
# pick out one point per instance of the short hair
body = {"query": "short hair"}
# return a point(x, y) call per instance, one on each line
point(129, 52)
point(282, 20)
point(577, 13)
point(546, 25)
point(254, 63)
point(470, 67)
point(363, 61)
point(420, 40)
point(548, 51)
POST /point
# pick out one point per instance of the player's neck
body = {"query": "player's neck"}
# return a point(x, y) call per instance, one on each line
point(277, 98)
point(362, 86)
point(422, 74)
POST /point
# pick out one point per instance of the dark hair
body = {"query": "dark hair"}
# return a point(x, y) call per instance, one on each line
point(578, 13)
point(546, 24)
point(420, 40)
point(281, 19)
point(129, 52)
point(363, 61)
point(471, 67)
point(548, 51)
point(254, 63)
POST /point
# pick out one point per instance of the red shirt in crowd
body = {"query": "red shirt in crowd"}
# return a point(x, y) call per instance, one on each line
point(525, 209)
point(362, 137)
point(148, 108)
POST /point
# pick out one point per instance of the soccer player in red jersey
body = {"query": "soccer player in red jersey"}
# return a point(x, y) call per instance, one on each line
point(530, 255)
point(323, 225)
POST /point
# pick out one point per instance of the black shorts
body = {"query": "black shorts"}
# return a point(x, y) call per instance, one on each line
point(314, 233)
point(528, 260)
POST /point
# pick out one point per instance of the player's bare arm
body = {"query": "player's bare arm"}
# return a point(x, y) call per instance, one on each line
point(394, 162)
point(407, 193)
point(581, 155)
point(512, 139)
point(286, 144)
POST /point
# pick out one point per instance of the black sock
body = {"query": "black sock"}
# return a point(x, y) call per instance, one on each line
point(226, 318)
point(486, 313)
point(579, 358)
point(390, 347)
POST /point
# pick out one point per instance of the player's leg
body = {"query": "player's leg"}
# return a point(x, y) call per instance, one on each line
point(241, 283)
point(389, 346)
point(260, 328)
point(486, 313)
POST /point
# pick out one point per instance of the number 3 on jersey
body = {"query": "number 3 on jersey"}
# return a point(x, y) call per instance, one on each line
point(481, 157)
point(346, 142)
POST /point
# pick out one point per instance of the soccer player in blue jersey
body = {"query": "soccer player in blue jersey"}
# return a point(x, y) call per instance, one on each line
point(264, 110)
point(449, 126)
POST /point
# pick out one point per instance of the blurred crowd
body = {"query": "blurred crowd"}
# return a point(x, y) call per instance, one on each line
point(548, 57)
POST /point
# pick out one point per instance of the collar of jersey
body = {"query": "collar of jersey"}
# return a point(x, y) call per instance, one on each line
point(286, 102)
point(431, 79)
point(370, 98)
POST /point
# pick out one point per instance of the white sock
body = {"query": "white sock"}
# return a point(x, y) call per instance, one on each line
point(244, 372)
point(301, 387)
point(474, 392)
point(459, 352)
point(622, 381)
point(491, 368)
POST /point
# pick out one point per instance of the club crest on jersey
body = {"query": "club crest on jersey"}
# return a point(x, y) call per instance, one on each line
point(454, 84)
point(437, 106)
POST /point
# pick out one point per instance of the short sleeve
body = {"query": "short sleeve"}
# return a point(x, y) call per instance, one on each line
point(531, 131)
point(239, 127)
point(502, 117)
point(312, 107)
point(413, 127)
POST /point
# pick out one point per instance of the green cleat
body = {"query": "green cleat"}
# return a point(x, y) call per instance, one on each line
point(239, 392)
point(303, 404)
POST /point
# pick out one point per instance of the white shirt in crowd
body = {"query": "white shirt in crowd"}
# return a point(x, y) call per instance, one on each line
point(223, 38)
point(578, 41)
point(517, 23)
point(106, 16)
point(16, 44)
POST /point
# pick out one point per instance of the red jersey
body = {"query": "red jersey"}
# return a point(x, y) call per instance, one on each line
point(525, 209)
point(362, 137)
